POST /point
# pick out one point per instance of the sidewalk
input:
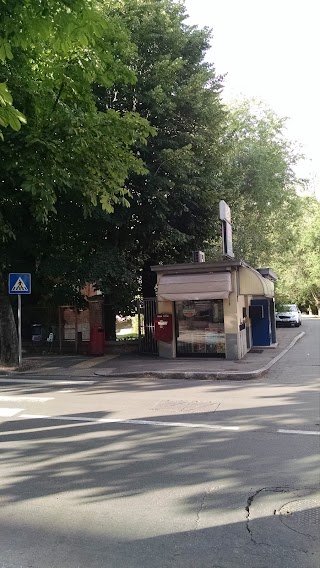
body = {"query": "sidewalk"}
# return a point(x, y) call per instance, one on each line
point(253, 365)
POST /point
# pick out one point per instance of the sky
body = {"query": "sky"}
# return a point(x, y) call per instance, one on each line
point(270, 49)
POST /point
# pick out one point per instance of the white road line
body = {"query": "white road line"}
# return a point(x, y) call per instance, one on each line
point(25, 398)
point(304, 432)
point(124, 421)
point(7, 412)
point(150, 423)
point(45, 382)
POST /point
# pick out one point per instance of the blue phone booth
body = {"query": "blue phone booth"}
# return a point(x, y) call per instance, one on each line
point(263, 325)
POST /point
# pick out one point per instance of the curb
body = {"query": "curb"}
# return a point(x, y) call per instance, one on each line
point(198, 375)
point(17, 371)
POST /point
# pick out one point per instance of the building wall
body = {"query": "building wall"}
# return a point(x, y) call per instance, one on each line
point(241, 322)
point(231, 323)
point(238, 341)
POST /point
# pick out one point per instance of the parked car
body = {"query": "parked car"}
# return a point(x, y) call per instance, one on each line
point(289, 315)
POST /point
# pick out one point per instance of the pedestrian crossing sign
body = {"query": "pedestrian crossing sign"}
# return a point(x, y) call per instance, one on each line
point(19, 283)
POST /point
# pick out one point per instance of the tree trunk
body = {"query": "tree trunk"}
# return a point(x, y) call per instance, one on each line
point(8, 329)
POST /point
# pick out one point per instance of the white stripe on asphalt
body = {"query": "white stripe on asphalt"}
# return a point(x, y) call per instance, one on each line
point(133, 421)
point(6, 412)
point(305, 432)
point(44, 382)
point(25, 398)
point(151, 423)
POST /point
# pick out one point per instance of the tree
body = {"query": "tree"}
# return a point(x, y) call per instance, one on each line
point(300, 274)
point(69, 151)
point(173, 206)
point(261, 185)
point(73, 35)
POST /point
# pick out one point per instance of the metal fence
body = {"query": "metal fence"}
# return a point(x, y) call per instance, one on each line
point(44, 317)
point(70, 328)
point(147, 309)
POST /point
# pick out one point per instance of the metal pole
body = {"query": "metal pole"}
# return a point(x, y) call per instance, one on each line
point(19, 331)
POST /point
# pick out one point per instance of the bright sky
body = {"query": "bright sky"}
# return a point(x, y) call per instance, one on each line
point(270, 49)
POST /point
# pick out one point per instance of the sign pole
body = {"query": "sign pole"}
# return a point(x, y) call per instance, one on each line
point(19, 331)
point(19, 283)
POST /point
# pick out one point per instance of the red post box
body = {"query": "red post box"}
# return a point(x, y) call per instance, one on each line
point(163, 328)
point(97, 342)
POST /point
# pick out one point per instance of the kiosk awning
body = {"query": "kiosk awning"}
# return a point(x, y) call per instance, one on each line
point(212, 286)
point(252, 283)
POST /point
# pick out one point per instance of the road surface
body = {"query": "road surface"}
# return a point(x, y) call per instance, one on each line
point(164, 474)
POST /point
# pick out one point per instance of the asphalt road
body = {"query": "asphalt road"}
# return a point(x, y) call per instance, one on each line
point(164, 474)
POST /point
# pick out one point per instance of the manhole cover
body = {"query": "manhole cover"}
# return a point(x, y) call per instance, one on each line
point(302, 515)
point(185, 406)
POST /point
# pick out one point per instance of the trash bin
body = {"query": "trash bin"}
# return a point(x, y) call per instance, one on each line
point(37, 334)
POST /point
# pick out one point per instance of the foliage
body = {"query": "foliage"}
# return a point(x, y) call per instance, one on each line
point(71, 156)
point(261, 185)
point(173, 206)
point(301, 271)
point(68, 146)
point(58, 40)
point(94, 79)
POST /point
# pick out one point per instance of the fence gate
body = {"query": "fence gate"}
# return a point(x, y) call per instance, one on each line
point(147, 309)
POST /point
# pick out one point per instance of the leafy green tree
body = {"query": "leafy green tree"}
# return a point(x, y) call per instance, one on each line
point(261, 185)
point(70, 149)
point(300, 274)
point(57, 40)
point(173, 205)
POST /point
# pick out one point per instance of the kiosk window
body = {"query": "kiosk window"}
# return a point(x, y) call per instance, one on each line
point(200, 327)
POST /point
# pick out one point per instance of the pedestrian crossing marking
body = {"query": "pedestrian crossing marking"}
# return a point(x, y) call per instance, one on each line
point(8, 412)
point(25, 398)
point(19, 286)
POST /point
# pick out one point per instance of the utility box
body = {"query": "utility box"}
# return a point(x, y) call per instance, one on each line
point(38, 333)
point(163, 328)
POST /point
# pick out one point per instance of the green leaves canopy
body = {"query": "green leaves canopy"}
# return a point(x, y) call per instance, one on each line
point(58, 51)
point(173, 206)
point(300, 273)
point(90, 77)
point(261, 185)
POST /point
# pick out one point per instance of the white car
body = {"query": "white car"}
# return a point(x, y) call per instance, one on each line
point(290, 315)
